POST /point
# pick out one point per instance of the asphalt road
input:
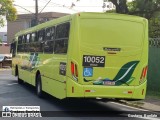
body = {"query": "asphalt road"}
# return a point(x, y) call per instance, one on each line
point(13, 94)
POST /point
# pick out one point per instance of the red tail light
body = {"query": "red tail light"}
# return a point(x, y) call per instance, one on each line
point(144, 72)
point(72, 68)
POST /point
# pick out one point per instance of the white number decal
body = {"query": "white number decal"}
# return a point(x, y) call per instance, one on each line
point(94, 59)
point(102, 60)
point(97, 59)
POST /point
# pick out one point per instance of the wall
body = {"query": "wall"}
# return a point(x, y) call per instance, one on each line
point(4, 48)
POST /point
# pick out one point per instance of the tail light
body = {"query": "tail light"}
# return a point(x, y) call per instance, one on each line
point(144, 73)
point(74, 70)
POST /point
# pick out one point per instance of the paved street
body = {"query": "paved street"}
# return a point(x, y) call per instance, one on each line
point(13, 94)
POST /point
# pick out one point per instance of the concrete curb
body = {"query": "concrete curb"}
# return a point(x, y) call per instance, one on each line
point(142, 105)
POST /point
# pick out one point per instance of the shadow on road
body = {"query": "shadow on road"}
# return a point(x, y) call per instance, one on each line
point(76, 107)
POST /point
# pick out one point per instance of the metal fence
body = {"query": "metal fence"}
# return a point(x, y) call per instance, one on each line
point(154, 42)
point(153, 85)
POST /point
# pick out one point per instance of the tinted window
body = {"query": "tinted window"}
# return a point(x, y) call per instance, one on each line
point(28, 38)
point(26, 47)
point(61, 46)
point(50, 33)
point(20, 40)
point(33, 37)
point(62, 36)
point(41, 35)
point(38, 46)
point(24, 39)
point(48, 46)
point(20, 48)
point(62, 30)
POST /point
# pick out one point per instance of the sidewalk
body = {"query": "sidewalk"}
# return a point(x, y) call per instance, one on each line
point(152, 104)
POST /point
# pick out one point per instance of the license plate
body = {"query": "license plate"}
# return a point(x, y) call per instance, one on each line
point(93, 61)
point(109, 83)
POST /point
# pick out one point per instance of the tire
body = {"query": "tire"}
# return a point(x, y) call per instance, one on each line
point(39, 86)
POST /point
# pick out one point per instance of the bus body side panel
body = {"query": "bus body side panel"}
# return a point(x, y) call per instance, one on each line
point(22, 61)
point(57, 85)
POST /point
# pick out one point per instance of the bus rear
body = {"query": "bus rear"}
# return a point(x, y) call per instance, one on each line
point(108, 56)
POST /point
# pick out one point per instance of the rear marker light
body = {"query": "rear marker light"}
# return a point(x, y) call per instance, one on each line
point(72, 89)
point(87, 91)
point(142, 91)
point(129, 92)
point(90, 91)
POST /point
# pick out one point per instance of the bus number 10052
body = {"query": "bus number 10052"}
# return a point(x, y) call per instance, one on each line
point(93, 61)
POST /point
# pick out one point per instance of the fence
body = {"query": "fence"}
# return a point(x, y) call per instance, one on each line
point(153, 85)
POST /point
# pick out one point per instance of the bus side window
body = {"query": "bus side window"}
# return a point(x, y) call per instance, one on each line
point(20, 40)
point(24, 39)
point(61, 40)
point(41, 35)
point(20, 48)
point(28, 38)
point(32, 37)
point(49, 40)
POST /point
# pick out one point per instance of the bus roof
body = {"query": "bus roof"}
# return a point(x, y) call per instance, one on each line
point(82, 15)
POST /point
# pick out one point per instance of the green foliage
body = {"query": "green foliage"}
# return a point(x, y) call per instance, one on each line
point(8, 10)
point(147, 9)
point(144, 8)
point(154, 28)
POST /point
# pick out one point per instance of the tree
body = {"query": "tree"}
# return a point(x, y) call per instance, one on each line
point(8, 10)
point(144, 8)
point(121, 6)
point(150, 10)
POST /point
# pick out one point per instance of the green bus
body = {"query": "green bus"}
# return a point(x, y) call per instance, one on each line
point(84, 55)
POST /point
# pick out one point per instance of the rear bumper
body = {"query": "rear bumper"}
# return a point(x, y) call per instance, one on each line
point(93, 91)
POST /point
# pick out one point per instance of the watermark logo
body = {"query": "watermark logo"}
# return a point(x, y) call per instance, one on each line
point(21, 111)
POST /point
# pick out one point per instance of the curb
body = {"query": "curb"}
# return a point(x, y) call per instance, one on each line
point(137, 104)
point(142, 105)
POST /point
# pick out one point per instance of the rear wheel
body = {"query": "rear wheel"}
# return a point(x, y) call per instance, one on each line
point(39, 86)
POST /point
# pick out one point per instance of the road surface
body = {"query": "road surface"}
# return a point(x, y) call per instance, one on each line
point(13, 94)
